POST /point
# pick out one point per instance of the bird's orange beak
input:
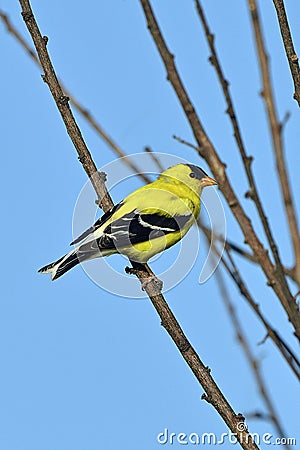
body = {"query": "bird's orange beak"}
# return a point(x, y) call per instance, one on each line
point(207, 181)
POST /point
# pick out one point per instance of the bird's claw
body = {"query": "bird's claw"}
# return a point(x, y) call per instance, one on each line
point(130, 270)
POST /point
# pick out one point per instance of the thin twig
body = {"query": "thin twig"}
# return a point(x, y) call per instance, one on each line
point(230, 245)
point(289, 46)
point(290, 272)
point(188, 144)
point(213, 394)
point(73, 100)
point(253, 362)
point(234, 273)
point(154, 158)
point(276, 134)
point(218, 168)
point(284, 348)
point(258, 415)
point(247, 160)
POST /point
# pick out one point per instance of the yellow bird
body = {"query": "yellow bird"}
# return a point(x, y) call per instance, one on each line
point(148, 221)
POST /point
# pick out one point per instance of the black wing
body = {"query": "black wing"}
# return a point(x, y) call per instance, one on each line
point(134, 227)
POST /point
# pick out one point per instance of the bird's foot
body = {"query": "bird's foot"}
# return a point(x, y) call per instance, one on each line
point(131, 270)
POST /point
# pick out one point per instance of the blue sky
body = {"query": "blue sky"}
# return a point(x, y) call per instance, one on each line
point(84, 369)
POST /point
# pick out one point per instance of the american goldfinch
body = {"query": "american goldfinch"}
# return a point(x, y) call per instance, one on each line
point(148, 221)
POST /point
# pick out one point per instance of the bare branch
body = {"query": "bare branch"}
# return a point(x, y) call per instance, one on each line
point(188, 144)
point(154, 158)
point(234, 273)
point(253, 362)
point(74, 101)
point(62, 103)
point(290, 272)
point(218, 168)
point(276, 133)
point(289, 46)
point(247, 160)
point(283, 347)
point(229, 245)
point(105, 136)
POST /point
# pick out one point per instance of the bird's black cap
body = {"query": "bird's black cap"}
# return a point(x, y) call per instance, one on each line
point(199, 173)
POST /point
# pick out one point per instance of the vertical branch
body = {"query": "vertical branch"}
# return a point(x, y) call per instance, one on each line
point(289, 46)
point(276, 133)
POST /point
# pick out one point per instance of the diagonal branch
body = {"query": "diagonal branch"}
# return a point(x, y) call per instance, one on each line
point(247, 160)
point(253, 362)
point(289, 46)
point(73, 100)
point(234, 273)
point(276, 134)
point(290, 272)
point(275, 279)
point(213, 394)
point(285, 350)
point(154, 158)
point(62, 103)
point(230, 245)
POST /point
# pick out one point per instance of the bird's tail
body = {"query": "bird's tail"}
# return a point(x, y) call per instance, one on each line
point(88, 250)
point(61, 266)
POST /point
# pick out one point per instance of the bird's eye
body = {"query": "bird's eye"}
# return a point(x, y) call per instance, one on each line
point(192, 175)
